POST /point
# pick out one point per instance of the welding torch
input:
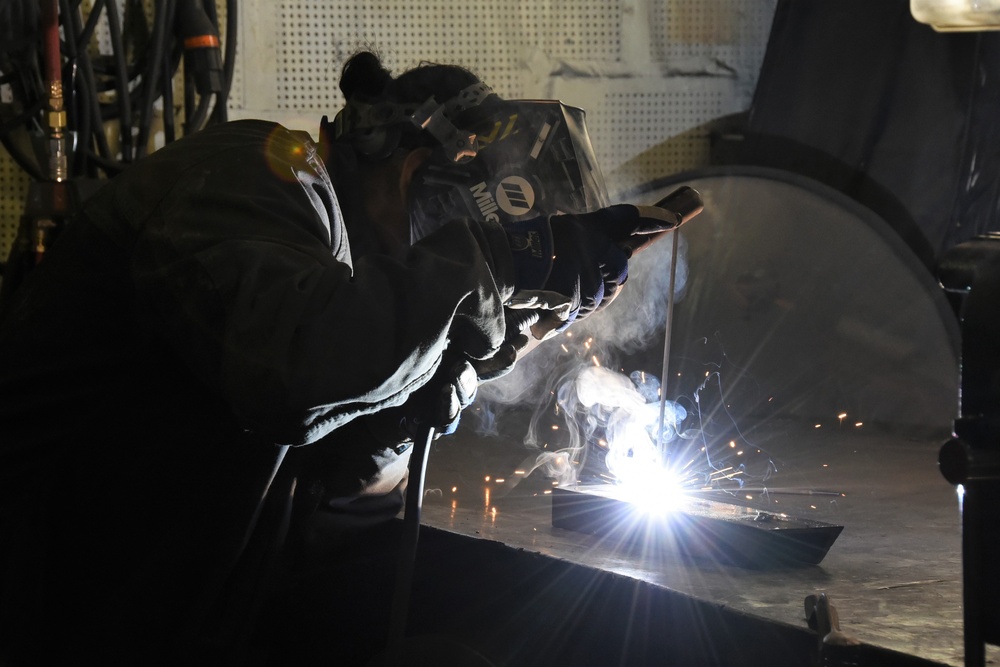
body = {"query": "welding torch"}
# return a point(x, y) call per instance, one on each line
point(657, 220)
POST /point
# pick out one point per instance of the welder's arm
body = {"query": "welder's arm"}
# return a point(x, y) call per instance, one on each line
point(299, 346)
point(438, 404)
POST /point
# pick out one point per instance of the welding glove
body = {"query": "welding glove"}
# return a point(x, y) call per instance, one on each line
point(570, 266)
point(439, 403)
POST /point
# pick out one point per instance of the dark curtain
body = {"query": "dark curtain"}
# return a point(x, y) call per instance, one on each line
point(858, 95)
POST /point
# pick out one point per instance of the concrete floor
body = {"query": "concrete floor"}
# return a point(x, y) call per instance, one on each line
point(894, 573)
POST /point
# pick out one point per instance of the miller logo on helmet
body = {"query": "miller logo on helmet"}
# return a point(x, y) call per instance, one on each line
point(515, 196)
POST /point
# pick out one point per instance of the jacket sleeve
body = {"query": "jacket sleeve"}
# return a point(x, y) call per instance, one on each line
point(235, 268)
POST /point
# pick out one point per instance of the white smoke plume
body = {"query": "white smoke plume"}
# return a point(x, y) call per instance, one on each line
point(629, 324)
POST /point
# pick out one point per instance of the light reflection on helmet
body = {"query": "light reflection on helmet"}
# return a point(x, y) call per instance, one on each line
point(534, 158)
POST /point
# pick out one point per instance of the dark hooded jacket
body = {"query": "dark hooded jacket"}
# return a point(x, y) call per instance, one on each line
point(198, 327)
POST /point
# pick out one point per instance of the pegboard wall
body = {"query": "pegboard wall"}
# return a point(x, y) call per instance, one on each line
point(650, 73)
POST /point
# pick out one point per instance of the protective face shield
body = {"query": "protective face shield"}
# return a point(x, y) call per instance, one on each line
point(533, 158)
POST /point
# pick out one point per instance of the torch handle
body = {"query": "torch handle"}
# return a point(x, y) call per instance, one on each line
point(665, 216)
point(685, 201)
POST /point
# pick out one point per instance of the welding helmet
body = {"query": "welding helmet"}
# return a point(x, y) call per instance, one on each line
point(493, 159)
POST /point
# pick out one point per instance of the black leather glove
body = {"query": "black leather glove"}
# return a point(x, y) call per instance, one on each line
point(439, 403)
point(581, 258)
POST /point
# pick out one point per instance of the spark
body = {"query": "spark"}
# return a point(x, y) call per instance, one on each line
point(818, 425)
point(563, 346)
point(454, 489)
point(500, 480)
point(546, 492)
point(518, 472)
point(858, 424)
point(596, 362)
point(487, 478)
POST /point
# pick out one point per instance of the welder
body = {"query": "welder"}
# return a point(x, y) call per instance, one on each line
point(248, 322)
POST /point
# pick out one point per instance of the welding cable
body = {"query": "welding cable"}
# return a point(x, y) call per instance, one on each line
point(152, 74)
point(170, 63)
point(76, 108)
point(221, 114)
point(103, 155)
point(121, 82)
point(197, 29)
point(169, 127)
point(89, 103)
point(408, 543)
point(195, 120)
point(92, 18)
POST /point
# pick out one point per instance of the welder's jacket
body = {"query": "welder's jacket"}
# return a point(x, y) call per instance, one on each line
point(203, 314)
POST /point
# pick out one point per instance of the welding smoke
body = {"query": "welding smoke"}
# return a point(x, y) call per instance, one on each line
point(633, 322)
point(610, 423)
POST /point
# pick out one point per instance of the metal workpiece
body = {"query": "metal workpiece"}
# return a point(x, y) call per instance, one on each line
point(697, 528)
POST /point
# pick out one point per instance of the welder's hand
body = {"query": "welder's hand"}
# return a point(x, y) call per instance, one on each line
point(439, 403)
point(516, 340)
point(569, 266)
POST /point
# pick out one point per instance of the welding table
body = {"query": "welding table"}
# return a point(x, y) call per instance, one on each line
point(894, 574)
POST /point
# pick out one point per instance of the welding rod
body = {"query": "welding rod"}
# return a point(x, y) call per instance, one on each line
point(408, 543)
point(685, 202)
point(667, 328)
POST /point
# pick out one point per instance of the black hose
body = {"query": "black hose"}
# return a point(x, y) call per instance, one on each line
point(121, 82)
point(408, 544)
point(87, 74)
point(151, 75)
point(89, 104)
point(78, 107)
point(88, 30)
point(169, 129)
point(221, 112)
point(200, 115)
point(22, 118)
point(25, 162)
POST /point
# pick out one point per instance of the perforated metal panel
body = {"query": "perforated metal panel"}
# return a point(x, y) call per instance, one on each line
point(316, 39)
point(14, 184)
point(650, 73)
